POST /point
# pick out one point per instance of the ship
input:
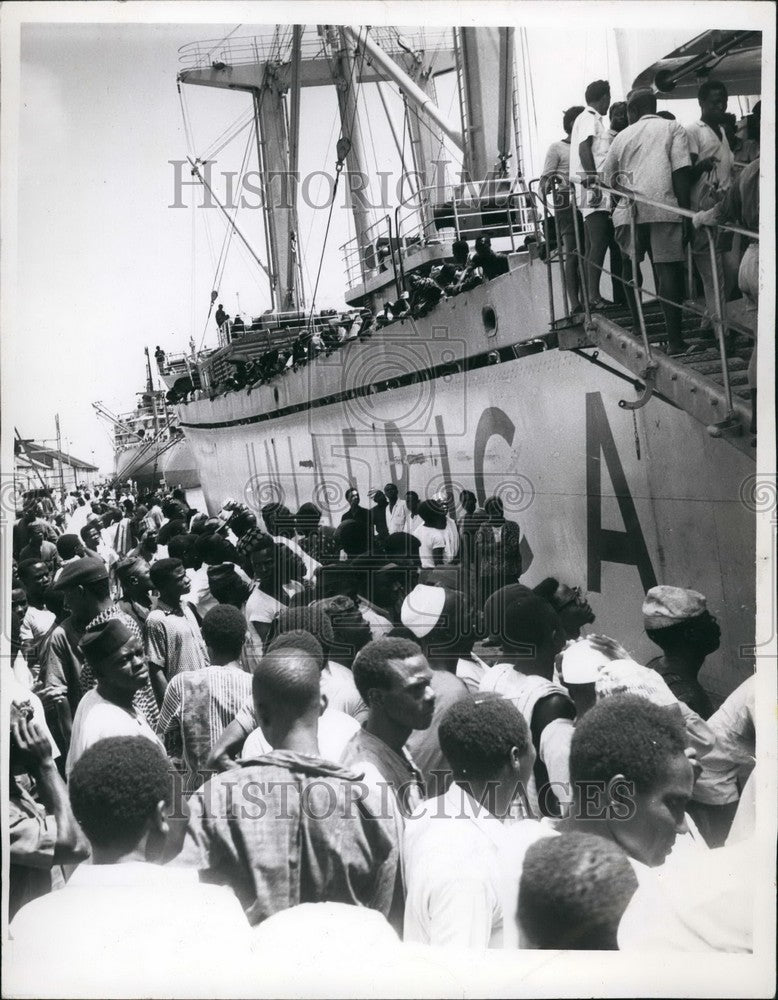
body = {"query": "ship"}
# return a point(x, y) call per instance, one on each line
point(150, 449)
point(624, 467)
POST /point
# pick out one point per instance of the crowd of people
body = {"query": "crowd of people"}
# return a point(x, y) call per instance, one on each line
point(709, 167)
point(256, 717)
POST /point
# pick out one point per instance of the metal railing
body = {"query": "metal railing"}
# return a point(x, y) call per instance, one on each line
point(718, 320)
point(501, 208)
point(277, 332)
point(244, 50)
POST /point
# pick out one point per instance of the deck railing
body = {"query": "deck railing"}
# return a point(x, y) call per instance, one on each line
point(718, 320)
point(244, 50)
point(502, 208)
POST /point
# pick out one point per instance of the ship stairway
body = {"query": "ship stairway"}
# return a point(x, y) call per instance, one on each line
point(694, 382)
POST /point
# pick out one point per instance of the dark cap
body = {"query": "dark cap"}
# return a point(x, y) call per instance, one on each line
point(105, 639)
point(517, 616)
point(86, 570)
point(223, 573)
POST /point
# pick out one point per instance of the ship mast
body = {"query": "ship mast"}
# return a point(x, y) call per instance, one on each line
point(346, 77)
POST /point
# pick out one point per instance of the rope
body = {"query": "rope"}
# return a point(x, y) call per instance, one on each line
point(229, 232)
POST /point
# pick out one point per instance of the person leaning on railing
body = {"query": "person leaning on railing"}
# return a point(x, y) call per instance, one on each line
point(650, 158)
point(741, 206)
point(555, 191)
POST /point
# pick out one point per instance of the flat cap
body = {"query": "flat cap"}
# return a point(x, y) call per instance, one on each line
point(665, 606)
point(88, 569)
point(104, 639)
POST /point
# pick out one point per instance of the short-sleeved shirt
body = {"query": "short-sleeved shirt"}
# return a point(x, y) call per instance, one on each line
point(97, 718)
point(337, 685)
point(557, 165)
point(643, 158)
point(62, 662)
point(431, 539)
point(589, 124)
point(262, 607)
point(198, 706)
point(174, 641)
point(36, 625)
point(704, 143)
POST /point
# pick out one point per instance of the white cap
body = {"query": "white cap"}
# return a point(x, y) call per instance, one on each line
point(581, 663)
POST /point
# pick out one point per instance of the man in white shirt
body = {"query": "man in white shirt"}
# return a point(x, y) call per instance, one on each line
point(115, 654)
point(122, 797)
point(531, 635)
point(712, 163)
point(414, 519)
point(37, 621)
point(589, 142)
point(651, 157)
point(396, 511)
point(454, 844)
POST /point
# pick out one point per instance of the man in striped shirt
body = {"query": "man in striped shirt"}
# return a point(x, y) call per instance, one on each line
point(199, 704)
point(173, 638)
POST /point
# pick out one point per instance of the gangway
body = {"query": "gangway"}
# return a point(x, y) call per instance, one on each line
point(709, 382)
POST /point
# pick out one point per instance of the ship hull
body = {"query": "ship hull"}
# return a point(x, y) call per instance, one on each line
point(609, 499)
point(175, 465)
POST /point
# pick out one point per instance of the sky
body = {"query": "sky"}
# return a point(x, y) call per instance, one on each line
point(105, 267)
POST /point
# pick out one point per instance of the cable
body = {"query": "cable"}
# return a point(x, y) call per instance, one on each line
point(222, 41)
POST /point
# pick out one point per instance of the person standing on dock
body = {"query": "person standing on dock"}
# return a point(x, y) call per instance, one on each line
point(679, 622)
point(173, 638)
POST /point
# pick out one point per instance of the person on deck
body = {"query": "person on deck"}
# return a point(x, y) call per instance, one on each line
point(741, 206)
point(589, 142)
point(711, 176)
point(221, 316)
point(555, 188)
point(652, 156)
point(492, 264)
